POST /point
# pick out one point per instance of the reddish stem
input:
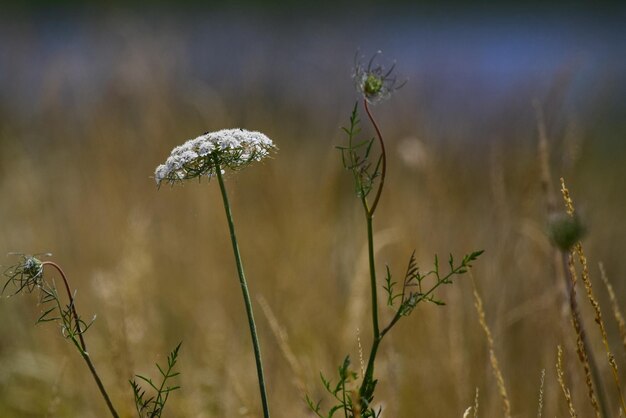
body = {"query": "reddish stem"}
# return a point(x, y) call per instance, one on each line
point(71, 299)
point(383, 155)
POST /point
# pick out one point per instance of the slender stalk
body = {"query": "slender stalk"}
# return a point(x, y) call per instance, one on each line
point(343, 394)
point(244, 290)
point(373, 284)
point(383, 155)
point(92, 369)
point(369, 371)
point(82, 346)
point(368, 378)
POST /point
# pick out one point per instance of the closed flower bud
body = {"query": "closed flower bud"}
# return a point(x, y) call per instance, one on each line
point(565, 230)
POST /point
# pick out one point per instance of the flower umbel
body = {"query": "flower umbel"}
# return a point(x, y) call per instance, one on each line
point(374, 81)
point(232, 148)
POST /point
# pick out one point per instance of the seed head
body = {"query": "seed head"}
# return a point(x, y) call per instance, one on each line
point(374, 81)
point(32, 266)
point(565, 230)
point(202, 156)
point(26, 275)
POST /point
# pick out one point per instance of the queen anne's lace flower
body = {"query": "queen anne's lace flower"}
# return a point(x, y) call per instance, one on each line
point(202, 156)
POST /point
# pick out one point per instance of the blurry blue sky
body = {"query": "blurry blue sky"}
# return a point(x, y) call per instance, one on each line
point(463, 62)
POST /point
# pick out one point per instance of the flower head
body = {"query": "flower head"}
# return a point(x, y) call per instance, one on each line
point(228, 148)
point(374, 81)
point(26, 275)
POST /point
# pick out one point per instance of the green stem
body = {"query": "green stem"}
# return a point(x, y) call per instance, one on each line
point(81, 345)
point(369, 371)
point(367, 388)
point(373, 284)
point(244, 290)
point(92, 369)
point(368, 378)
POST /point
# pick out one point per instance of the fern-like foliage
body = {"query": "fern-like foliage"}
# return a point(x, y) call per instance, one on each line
point(416, 287)
point(153, 406)
point(355, 157)
point(343, 393)
point(355, 400)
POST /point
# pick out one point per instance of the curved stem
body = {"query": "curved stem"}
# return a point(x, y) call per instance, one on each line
point(82, 347)
point(71, 299)
point(383, 156)
point(244, 290)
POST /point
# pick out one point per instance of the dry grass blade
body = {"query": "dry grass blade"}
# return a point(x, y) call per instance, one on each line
point(561, 379)
point(544, 159)
point(474, 408)
point(478, 303)
point(541, 382)
point(282, 339)
point(476, 403)
point(581, 346)
point(617, 313)
point(582, 259)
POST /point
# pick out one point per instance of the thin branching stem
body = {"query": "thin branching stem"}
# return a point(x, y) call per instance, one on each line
point(244, 290)
point(368, 378)
point(421, 297)
point(81, 345)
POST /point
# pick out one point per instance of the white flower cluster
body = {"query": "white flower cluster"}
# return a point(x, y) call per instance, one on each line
point(232, 148)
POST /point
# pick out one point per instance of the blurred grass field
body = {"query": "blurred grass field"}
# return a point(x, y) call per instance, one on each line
point(155, 266)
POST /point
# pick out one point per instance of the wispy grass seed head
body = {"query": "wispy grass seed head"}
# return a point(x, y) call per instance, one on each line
point(202, 156)
point(374, 81)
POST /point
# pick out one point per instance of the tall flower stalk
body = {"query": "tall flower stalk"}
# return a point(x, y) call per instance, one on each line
point(375, 83)
point(207, 156)
point(246, 295)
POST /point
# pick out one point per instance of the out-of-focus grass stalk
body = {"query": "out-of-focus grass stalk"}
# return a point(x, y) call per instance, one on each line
point(578, 249)
point(617, 313)
point(495, 365)
point(564, 269)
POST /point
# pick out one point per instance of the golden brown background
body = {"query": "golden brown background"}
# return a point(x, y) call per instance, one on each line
point(91, 103)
